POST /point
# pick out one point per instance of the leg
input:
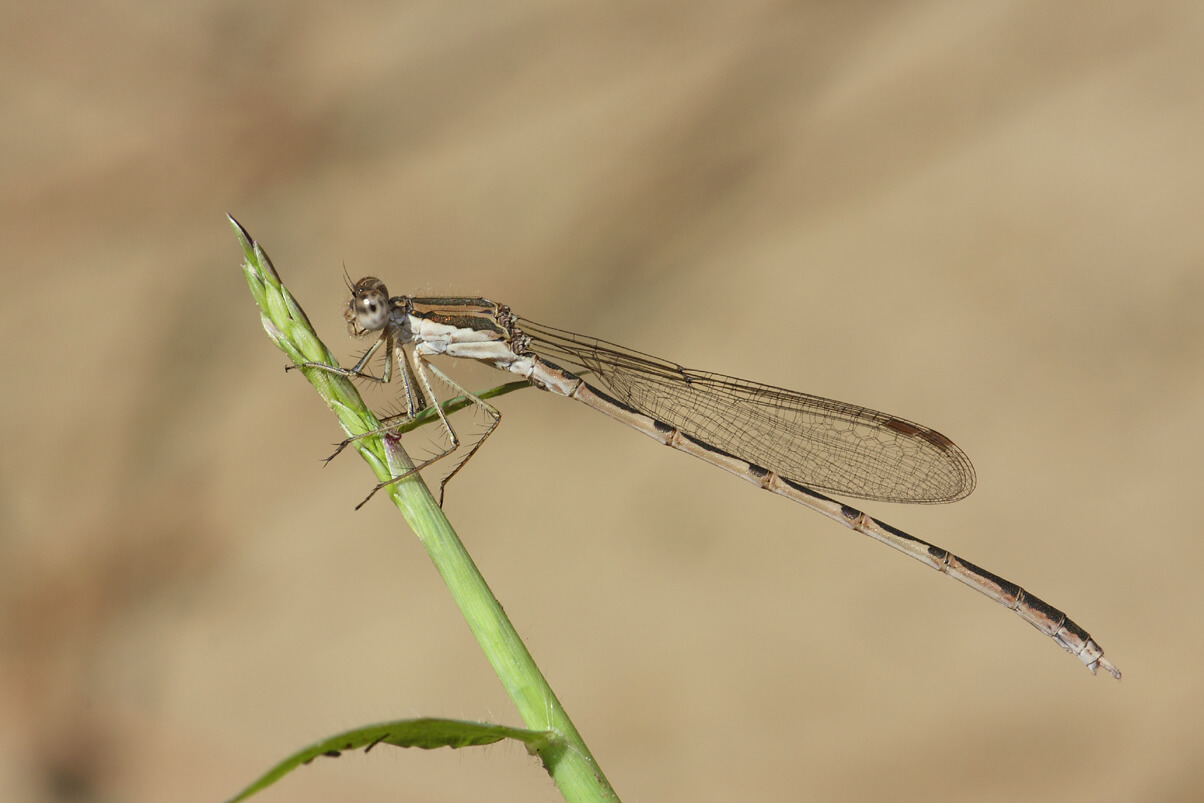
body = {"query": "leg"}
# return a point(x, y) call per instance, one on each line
point(421, 367)
point(415, 401)
point(494, 414)
point(357, 370)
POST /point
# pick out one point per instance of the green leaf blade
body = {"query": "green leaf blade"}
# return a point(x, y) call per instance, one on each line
point(427, 733)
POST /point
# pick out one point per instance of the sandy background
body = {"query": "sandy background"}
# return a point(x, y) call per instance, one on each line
point(985, 217)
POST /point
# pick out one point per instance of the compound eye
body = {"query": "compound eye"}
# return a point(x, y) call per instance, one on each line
point(371, 309)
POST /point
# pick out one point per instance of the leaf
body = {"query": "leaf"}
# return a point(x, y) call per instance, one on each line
point(427, 733)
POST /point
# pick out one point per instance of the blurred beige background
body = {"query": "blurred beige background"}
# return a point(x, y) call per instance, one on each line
point(984, 217)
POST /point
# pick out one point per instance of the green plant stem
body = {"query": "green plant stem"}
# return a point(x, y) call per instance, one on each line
point(566, 757)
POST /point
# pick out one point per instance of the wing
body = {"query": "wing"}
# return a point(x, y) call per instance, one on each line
point(823, 444)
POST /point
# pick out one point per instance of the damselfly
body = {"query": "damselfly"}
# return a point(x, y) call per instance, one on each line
point(793, 444)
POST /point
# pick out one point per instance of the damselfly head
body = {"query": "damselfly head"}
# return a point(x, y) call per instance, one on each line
point(369, 308)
